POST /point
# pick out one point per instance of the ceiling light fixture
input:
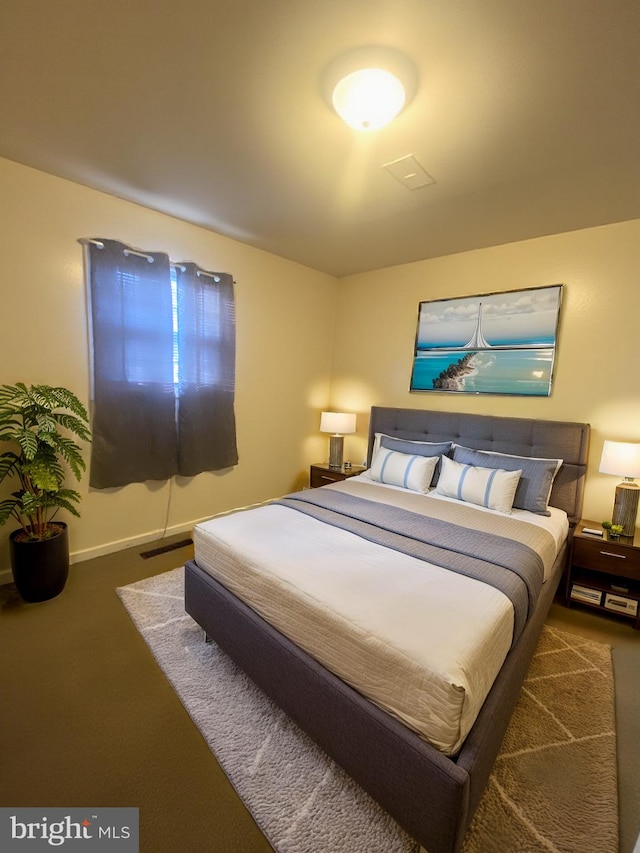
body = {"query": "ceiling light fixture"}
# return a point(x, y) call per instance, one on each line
point(369, 86)
point(369, 98)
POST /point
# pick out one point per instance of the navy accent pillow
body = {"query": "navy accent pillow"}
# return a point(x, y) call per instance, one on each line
point(536, 479)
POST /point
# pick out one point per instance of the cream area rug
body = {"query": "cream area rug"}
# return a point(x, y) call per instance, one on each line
point(553, 787)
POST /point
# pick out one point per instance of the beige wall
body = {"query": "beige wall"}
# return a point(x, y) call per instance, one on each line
point(289, 367)
point(597, 379)
point(284, 313)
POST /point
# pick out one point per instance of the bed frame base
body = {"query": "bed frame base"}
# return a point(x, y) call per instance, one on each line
point(369, 744)
point(432, 796)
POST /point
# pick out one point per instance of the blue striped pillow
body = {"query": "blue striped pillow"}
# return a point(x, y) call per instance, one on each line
point(417, 448)
point(403, 469)
point(489, 487)
point(536, 477)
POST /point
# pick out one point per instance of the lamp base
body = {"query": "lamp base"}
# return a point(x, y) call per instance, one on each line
point(336, 447)
point(625, 507)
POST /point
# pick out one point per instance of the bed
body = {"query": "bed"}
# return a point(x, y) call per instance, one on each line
point(428, 769)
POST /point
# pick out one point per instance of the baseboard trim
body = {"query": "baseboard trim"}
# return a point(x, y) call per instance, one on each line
point(132, 541)
point(81, 556)
point(153, 536)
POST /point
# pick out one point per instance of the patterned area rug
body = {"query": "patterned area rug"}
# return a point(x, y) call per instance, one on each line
point(553, 787)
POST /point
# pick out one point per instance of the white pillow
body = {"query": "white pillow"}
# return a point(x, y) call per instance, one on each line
point(536, 478)
point(490, 487)
point(402, 469)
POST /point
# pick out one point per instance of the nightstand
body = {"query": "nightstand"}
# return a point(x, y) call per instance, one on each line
point(320, 474)
point(604, 573)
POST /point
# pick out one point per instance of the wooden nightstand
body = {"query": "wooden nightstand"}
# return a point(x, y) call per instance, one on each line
point(604, 573)
point(320, 474)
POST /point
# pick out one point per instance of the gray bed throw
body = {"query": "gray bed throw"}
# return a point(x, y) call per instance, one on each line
point(512, 567)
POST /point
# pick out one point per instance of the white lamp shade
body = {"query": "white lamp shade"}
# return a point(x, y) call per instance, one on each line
point(338, 423)
point(368, 98)
point(621, 458)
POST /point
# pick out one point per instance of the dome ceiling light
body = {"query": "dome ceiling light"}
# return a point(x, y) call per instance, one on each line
point(369, 98)
point(369, 86)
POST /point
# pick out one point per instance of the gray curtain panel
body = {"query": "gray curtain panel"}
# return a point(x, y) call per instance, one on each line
point(133, 417)
point(206, 385)
point(155, 415)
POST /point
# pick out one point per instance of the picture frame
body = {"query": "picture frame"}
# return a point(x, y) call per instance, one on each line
point(493, 343)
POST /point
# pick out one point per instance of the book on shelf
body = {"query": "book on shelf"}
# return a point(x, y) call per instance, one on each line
point(621, 604)
point(586, 593)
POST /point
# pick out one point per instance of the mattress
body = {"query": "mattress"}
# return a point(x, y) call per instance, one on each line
point(423, 643)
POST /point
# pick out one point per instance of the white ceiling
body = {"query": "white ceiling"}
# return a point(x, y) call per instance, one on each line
point(527, 115)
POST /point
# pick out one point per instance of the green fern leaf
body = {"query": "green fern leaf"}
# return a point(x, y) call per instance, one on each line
point(6, 509)
point(28, 442)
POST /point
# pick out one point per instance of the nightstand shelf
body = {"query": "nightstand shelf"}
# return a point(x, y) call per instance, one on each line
point(604, 574)
point(320, 474)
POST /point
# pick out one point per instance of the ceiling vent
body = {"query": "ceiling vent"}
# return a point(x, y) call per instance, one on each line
point(409, 172)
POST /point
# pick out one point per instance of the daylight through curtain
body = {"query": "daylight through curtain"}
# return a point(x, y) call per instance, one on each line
point(163, 367)
point(133, 413)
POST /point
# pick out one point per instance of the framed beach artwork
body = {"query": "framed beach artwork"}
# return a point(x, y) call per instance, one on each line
point(495, 343)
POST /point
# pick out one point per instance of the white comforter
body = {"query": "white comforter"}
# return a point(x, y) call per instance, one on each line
point(422, 642)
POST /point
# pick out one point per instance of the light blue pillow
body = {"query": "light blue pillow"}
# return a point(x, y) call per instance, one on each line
point(418, 448)
point(401, 469)
point(488, 487)
point(536, 480)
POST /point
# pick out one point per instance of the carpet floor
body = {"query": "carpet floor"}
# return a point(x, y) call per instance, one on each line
point(553, 787)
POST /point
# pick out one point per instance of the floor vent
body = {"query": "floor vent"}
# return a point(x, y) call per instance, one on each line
point(164, 548)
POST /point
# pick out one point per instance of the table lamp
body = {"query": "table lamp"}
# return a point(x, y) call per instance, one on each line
point(623, 458)
point(340, 424)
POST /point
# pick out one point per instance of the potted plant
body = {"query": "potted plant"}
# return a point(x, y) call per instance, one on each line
point(613, 530)
point(38, 421)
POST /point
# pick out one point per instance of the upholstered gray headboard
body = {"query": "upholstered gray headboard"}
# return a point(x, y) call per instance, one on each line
point(521, 436)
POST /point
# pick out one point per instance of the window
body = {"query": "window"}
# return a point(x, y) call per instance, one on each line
point(163, 366)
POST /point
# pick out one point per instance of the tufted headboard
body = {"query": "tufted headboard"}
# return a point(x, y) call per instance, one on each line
point(520, 436)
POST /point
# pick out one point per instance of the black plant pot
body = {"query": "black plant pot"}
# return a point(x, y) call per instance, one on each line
point(40, 569)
